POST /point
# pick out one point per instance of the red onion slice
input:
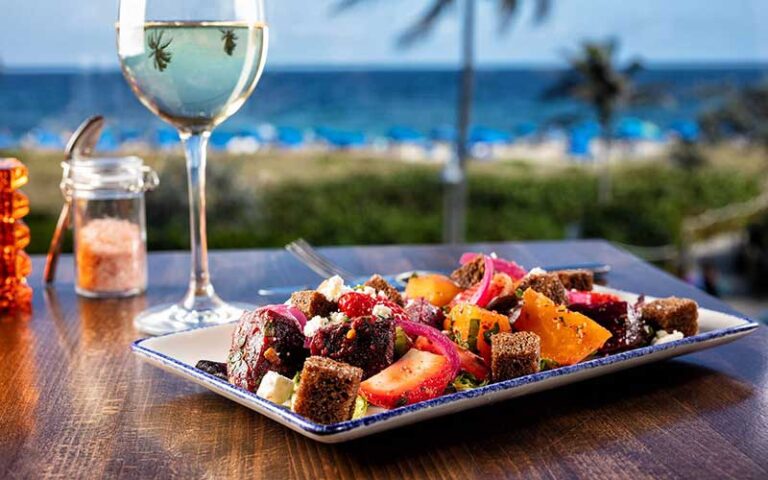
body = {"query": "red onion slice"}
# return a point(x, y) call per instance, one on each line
point(483, 294)
point(288, 311)
point(501, 265)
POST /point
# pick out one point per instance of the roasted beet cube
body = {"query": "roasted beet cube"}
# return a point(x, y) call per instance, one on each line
point(365, 342)
point(264, 340)
point(421, 311)
point(622, 320)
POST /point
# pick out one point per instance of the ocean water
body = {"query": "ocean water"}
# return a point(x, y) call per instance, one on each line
point(371, 101)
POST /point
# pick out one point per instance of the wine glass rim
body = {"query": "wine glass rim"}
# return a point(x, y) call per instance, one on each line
point(187, 23)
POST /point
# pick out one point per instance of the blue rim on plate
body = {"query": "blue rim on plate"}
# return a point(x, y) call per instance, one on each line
point(324, 430)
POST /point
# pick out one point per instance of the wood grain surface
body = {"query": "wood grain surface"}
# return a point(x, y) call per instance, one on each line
point(75, 403)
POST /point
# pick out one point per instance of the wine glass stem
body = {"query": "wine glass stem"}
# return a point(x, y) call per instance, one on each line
point(200, 289)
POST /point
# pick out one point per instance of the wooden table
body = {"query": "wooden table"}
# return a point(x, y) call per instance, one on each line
point(75, 403)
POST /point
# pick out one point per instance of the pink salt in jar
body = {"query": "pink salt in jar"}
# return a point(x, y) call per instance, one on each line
point(109, 224)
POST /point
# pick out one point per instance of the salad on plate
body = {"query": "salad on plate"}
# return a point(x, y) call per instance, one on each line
point(341, 351)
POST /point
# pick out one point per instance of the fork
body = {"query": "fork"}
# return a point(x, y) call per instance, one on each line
point(319, 264)
point(309, 256)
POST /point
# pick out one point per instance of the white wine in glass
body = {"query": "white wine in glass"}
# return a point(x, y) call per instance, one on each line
point(193, 63)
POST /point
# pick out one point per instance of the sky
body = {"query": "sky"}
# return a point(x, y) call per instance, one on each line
point(80, 33)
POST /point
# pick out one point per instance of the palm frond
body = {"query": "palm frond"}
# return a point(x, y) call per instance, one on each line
point(508, 10)
point(424, 24)
point(342, 5)
point(594, 77)
point(651, 94)
point(542, 10)
point(563, 88)
point(635, 67)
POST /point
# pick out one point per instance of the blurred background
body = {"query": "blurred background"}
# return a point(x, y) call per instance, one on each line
point(645, 123)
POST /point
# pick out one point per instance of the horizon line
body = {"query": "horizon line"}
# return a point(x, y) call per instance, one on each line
point(421, 66)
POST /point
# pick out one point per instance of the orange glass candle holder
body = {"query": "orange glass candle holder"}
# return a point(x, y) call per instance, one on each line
point(15, 264)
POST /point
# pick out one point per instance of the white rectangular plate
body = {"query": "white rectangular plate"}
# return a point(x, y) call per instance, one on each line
point(179, 352)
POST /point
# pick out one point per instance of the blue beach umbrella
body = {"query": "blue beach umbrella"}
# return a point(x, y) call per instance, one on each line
point(401, 134)
point(289, 137)
point(444, 133)
point(220, 138)
point(108, 141)
point(130, 135)
point(635, 129)
point(686, 130)
point(7, 141)
point(590, 127)
point(488, 135)
point(249, 132)
point(629, 128)
point(166, 137)
point(341, 138)
point(579, 140)
point(526, 129)
point(46, 139)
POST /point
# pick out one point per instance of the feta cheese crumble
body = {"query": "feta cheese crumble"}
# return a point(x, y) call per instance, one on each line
point(275, 388)
point(663, 336)
point(370, 291)
point(536, 271)
point(318, 323)
point(382, 311)
point(333, 288)
point(314, 325)
point(338, 317)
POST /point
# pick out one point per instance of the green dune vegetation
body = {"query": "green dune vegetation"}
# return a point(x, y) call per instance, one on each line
point(270, 198)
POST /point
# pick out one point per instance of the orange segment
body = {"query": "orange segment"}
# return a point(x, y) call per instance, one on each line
point(566, 337)
point(473, 325)
point(438, 290)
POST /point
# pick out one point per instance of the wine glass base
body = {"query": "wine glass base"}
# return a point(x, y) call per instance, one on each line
point(171, 318)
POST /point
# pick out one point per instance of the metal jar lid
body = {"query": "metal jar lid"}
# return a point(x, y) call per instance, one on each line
point(97, 176)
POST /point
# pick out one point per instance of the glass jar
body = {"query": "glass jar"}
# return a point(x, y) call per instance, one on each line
point(107, 196)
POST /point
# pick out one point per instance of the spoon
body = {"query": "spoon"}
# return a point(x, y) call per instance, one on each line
point(80, 144)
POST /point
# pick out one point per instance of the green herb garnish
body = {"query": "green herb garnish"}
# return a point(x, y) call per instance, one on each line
point(456, 337)
point(467, 381)
point(547, 364)
point(490, 332)
point(402, 342)
point(474, 330)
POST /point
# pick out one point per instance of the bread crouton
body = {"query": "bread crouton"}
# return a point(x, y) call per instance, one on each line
point(469, 273)
point(378, 283)
point(514, 355)
point(581, 280)
point(327, 390)
point(547, 284)
point(673, 313)
point(312, 303)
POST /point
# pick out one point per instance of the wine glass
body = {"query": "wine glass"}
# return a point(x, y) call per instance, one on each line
point(193, 63)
